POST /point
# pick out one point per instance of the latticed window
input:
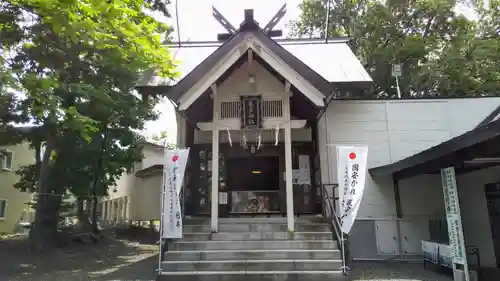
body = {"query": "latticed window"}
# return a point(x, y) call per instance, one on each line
point(270, 109)
point(229, 109)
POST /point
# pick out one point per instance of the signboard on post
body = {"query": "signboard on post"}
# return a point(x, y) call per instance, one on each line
point(351, 175)
point(396, 73)
point(173, 176)
point(396, 70)
point(454, 220)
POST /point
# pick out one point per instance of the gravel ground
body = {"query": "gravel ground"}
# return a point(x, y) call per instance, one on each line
point(119, 259)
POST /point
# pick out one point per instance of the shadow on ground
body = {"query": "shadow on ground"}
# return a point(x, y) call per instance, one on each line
point(131, 254)
point(113, 258)
point(140, 235)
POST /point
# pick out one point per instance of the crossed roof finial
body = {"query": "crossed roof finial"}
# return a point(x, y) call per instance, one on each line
point(249, 23)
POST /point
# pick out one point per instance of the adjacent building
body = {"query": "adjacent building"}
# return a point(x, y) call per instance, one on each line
point(404, 205)
point(136, 196)
point(14, 204)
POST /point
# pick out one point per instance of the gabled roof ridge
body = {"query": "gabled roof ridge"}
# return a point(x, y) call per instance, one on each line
point(325, 86)
point(206, 65)
point(177, 90)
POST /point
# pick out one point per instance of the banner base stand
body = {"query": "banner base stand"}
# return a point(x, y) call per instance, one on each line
point(158, 274)
point(345, 270)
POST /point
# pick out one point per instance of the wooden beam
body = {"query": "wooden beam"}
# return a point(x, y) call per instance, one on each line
point(290, 215)
point(456, 159)
point(214, 88)
point(267, 124)
point(223, 21)
point(275, 19)
point(215, 163)
point(250, 56)
point(288, 85)
point(275, 33)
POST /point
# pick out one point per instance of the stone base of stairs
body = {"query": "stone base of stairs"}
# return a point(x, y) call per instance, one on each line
point(256, 265)
point(331, 275)
point(259, 249)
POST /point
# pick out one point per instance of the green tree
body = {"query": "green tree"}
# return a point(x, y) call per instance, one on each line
point(162, 139)
point(77, 62)
point(442, 52)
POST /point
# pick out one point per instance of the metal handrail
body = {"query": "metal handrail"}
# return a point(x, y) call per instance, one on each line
point(331, 215)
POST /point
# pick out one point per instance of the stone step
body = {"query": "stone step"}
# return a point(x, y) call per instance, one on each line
point(249, 245)
point(251, 265)
point(264, 254)
point(281, 235)
point(323, 275)
point(257, 227)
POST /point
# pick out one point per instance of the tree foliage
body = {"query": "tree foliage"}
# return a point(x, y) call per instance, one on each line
point(162, 139)
point(441, 51)
point(69, 68)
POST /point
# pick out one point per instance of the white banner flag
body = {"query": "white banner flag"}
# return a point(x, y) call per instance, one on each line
point(351, 176)
point(173, 176)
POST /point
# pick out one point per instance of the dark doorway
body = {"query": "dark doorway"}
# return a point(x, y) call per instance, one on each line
point(492, 191)
point(253, 185)
point(253, 173)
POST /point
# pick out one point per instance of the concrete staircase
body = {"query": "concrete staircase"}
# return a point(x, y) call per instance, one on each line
point(253, 249)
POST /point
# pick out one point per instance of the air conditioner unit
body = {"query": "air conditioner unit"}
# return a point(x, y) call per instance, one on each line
point(459, 275)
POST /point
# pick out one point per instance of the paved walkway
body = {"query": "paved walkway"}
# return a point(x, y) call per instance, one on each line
point(125, 259)
point(385, 271)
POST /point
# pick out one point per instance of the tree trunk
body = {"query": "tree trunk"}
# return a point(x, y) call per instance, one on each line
point(95, 226)
point(81, 214)
point(43, 234)
point(98, 184)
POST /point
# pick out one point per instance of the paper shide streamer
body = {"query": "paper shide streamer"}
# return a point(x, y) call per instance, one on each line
point(229, 137)
point(276, 135)
point(259, 140)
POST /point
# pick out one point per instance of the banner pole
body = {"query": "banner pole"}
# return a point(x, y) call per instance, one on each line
point(160, 254)
point(162, 212)
point(351, 176)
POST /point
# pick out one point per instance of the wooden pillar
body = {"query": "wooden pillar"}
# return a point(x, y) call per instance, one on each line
point(215, 164)
point(288, 162)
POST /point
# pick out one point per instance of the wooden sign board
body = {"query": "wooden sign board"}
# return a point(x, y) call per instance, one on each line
point(251, 112)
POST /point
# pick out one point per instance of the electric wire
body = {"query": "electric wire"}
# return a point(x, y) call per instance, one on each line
point(178, 25)
point(326, 20)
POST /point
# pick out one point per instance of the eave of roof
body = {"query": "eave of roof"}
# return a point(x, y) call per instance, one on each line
point(175, 92)
point(150, 171)
point(454, 145)
point(300, 67)
point(490, 118)
point(188, 81)
point(155, 145)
